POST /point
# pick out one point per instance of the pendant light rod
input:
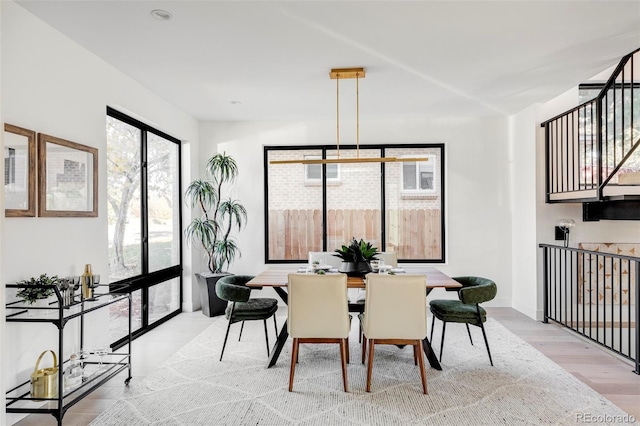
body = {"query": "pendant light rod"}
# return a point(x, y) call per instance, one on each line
point(344, 73)
point(340, 74)
point(338, 116)
point(357, 117)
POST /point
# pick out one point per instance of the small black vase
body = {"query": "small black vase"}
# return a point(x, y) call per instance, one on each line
point(355, 269)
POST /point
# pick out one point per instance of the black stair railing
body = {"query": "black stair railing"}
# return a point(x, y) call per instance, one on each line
point(589, 146)
point(595, 294)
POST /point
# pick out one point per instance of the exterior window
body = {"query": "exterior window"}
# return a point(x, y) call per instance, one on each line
point(313, 172)
point(396, 206)
point(143, 182)
point(418, 177)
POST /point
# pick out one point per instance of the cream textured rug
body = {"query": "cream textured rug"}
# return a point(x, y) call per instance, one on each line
point(523, 388)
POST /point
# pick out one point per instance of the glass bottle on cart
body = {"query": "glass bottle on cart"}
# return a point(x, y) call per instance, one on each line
point(73, 373)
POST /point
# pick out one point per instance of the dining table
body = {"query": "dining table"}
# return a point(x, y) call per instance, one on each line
point(277, 278)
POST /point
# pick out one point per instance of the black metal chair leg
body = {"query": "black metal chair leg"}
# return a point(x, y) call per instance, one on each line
point(275, 325)
point(444, 327)
point(486, 342)
point(266, 335)
point(225, 340)
point(433, 323)
point(241, 328)
point(469, 332)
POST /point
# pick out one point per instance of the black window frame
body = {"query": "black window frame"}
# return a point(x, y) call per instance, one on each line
point(382, 148)
point(145, 280)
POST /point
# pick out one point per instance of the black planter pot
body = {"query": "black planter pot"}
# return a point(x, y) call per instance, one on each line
point(355, 269)
point(212, 305)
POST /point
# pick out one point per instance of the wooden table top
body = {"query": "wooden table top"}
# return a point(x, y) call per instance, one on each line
point(278, 277)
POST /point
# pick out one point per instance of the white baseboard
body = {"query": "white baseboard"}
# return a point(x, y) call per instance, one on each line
point(528, 310)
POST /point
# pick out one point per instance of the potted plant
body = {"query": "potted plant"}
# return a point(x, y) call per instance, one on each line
point(39, 288)
point(356, 257)
point(212, 229)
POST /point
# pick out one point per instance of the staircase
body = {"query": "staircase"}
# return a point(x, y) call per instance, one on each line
point(592, 154)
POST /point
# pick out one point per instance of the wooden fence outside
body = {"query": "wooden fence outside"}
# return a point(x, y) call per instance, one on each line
point(412, 233)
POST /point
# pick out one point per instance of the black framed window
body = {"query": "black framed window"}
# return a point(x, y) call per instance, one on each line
point(397, 206)
point(145, 223)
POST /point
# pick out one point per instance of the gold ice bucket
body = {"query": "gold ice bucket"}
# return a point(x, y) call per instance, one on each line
point(44, 381)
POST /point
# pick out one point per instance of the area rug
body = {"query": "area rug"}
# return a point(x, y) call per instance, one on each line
point(523, 388)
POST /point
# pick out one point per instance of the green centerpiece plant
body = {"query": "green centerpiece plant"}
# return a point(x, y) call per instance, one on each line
point(356, 257)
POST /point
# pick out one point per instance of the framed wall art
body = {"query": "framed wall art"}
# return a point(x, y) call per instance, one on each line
point(19, 171)
point(67, 178)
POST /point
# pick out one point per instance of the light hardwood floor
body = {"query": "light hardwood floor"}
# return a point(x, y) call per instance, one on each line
point(607, 374)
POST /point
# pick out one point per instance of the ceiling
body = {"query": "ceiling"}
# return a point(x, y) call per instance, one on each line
point(267, 60)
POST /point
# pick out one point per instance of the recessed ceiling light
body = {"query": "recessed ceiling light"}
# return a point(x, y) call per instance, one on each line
point(161, 15)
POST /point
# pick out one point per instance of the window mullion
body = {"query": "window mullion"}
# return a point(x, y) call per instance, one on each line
point(383, 202)
point(324, 202)
point(144, 205)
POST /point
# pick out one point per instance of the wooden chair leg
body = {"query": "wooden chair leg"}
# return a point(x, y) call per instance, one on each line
point(347, 350)
point(364, 347)
point(372, 343)
point(294, 358)
point(423, 374)
point(241, 328)
point(344, 355)
point(415, 354)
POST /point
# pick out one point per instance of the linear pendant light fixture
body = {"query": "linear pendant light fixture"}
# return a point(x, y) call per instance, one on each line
point(338, 74)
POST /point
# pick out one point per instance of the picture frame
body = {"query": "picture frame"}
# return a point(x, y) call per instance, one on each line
point(19, 171)
point(67, 178)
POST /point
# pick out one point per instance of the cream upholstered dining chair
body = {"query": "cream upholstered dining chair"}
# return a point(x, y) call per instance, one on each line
point(390, 258)
point(328, 258)
point(318, 313)
point(395, 312)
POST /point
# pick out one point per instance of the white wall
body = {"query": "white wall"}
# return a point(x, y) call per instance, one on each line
point(477, 179)
point(522, 152)
point(52, 85)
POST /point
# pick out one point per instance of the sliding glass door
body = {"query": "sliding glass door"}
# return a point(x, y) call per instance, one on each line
point(143, 173)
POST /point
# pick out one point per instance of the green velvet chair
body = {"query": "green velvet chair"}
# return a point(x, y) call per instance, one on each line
point(243, 308)
point(467, 309)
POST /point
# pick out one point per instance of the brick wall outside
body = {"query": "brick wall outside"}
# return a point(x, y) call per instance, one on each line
point(358, 186)
point(353, 203)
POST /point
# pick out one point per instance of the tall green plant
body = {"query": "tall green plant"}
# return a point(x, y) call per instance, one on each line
point(212, 230)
